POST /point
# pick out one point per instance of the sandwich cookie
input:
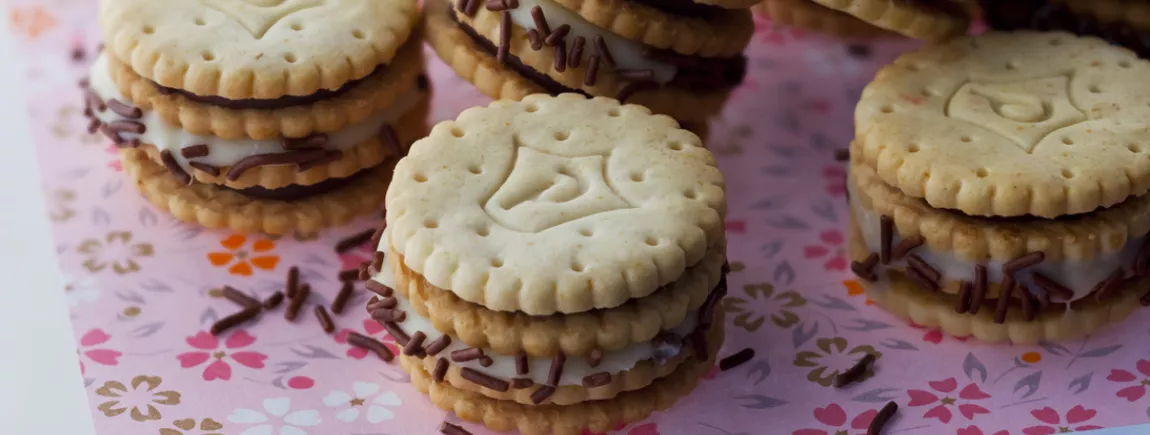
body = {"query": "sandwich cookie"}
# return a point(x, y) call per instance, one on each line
point(250, 115)
point(929, 20)
point(1124, 23)
point(998, 186)
point(811, 16)
point(556, 257)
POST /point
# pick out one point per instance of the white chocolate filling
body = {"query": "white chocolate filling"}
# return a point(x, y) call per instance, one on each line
point(227, 152)
point(628, 54)
point(1076, 275)
point(503, 366)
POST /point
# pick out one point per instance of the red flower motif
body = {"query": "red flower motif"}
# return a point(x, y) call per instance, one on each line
point(300, 382)
point(102, 356)
point(934, 335)
point(370, 328)
point(1074, 419)
point(833, 416)
point(974, 430)
point(739, 226)
point(219, 368)
point(834, 252)
point(833, 176)
point(942, 411)
point(1133, 392)
point(774, 34)
point(115, 162)
point(619, 426)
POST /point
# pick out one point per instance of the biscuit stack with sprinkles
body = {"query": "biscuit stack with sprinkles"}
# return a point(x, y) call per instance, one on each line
point(998, 186)
point(555, 264)
point(680, 58)
point(930, 20)
point(260, 116)
point(1122, 22)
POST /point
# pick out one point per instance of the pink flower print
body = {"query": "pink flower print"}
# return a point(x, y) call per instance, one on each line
point(1133, 392)
point(836, 419)
point(102, 356)
point(974, 430)
point(934, 335)
point(737, 226)
point(619, 426)
point(355, 257)
point(833, 178)
point(371, 328)
point(942, 411)
point(775, 34)
point(115, 162)
point(219, 367)
point(646, 429)
point(1074, 419)
point(832, 250)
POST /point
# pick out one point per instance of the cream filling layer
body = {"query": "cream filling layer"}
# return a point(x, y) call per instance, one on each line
point(628, 54)
point(1076, 275)
point(227, 152)
point(503, 366)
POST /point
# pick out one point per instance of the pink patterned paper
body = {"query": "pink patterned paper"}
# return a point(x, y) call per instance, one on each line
point(141, 288)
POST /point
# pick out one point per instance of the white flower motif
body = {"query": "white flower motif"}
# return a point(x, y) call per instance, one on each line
point(377, 407)
point(81, 289)
point(831, 64)
point(277, 408)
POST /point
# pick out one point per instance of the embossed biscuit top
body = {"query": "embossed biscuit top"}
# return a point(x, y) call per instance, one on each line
point(241, 49)
point(1011, 124)
point(555, 204)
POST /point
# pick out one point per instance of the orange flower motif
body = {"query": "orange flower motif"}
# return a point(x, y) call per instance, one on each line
point(244, 259)
point(31, 21)
point(854, 289)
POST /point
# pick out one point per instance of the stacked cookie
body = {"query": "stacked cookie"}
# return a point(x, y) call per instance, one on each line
point(998, 186)
point(1122, 22)
point(554, 265)
point(680, 58)
point(260, 116)
point(930, 20)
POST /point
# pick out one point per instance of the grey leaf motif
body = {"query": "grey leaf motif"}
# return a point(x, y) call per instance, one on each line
point(397, 376)
point(971, 365)
point(316, 259)
point(878, 395)
point(1081, 383)
point(278, 383)
point(769, 203)
point(146, 329)
point(833, 303)
point(100, 216)
point(897, 344)
point(111, 187)
point(787, 222)
point(778, 171)
point(826, 210)
point(759, 401)
point(1054, 348)
point(789, 121)
point(1101, 351)
point(759, 371)
point(309, 274)
point(130, 296)
point(155, 286)
point(771, 248)
point(288, 366)
point(784, 274)
point(866, 325)
point(77, 173)
point(782, 151)
point(822, 143)
point(313, 352)
point(800, 335)
point(1030, 383)
point(88, 381)
point(147, 217)
point(208, 316)
point(790, 88)
point(187, 232)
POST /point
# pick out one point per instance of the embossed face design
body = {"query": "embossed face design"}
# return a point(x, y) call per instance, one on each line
point(258, 16)
point(1024, 111)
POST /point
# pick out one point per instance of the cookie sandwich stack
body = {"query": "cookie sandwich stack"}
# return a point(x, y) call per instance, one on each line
point(554, 265)
point(1122, 22)
point(266, 117)
point(680, 58)
point(998, 186)
point(930, 20)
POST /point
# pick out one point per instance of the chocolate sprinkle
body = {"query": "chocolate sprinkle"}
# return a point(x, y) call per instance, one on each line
point(1108, 285)
point(469, 354)
point(94, 125)
point(920, 278)
point(603, 51)
point(556, 369)
point(496, 5)
point(388, 315)
point(378, 288)
point(328, 157)
point(354, 241)
point(521, 365)
point(575, 58)
point(633, 87)
point(472, 8)
point(856, 371)
point(882, 418)
point(324, 319)
point(390, 139)
point(924, 267)
point(636, 74)
point(231, 294)
point(1022, 262)
point(362, 341)
point(296, 303)
point(699, 345)
point(597, 380)
point(127, 127)
point(965, 289)
point(111, 135)
point(1026, 300)
point(842, 155)
point(205, 168)
point(906, 245)
point(980, 286)
point(593, 359)
point(440, 372)
point(292, 282)
point(1051, 286)
point(348, 275)
point(92, 100)
point(486, 361)
point(125, 110)
point(521, 383)
point(534, 39)
point(438, 345)
point(556, 36)
point(561, 57)
point(451, 429)
point(342, 297)
point(738, 359)
point(415, 344)
point(377, 260)
point(542, 394)
point(288, 158)
point(169, 162)
point(484, 380)
point(274, 300)
point(540, 21)
point(396, 332)
point(592, 70)
point(194, 151)
point(865, 269)
point(386, 302)
point(234, 320)
point(1004, 291)
point(504, 37)
point(377, 236)
point(886, 229)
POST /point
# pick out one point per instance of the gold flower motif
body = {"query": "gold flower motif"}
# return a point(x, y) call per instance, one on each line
point(762, 302)
point(186, 426)
point(70, 122)
point(141, 399)
point(60, 208)
point(831, 347)
point(116, 250)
